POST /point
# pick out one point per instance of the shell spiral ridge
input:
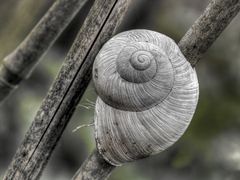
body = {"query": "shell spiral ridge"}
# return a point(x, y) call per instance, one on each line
point(148, 93)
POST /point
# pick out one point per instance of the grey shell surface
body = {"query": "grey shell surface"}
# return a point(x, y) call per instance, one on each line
point(148, 93)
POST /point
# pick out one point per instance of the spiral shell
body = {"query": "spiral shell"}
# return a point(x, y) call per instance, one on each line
point(148, 93)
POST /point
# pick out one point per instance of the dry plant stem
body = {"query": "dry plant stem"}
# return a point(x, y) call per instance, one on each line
point(207, 28)
point(194, 44)
point(19, 64)
point(90, 169)
point(65, 93)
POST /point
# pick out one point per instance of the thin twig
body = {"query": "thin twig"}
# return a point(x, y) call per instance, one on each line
point(82, 126)
point(65, 93)
point(194, 44)
point(20, 63)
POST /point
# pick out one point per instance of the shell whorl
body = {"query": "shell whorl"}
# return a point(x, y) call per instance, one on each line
point(148, 93)
point(135, 73)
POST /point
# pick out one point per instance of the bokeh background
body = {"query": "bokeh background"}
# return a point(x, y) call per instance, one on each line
point(210, 148)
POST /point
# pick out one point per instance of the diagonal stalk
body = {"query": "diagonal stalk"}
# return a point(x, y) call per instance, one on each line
point(65, 93)
point(18, 65)
point(207, 28)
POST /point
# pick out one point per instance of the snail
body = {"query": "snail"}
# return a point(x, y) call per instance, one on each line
point(147, 95)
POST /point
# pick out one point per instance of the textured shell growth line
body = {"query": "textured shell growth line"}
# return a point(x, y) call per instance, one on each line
point(148, 93)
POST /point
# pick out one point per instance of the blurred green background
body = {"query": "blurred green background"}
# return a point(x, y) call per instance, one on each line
point(209, 150)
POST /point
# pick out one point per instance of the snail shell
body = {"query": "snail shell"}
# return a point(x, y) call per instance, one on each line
point(148, 93)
